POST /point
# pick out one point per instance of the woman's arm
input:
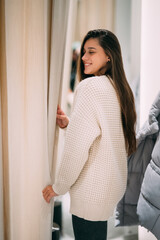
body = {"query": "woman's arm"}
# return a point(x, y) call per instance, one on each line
point(82, 130)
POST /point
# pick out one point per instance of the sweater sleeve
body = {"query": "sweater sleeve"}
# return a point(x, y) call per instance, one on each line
point(81, 132)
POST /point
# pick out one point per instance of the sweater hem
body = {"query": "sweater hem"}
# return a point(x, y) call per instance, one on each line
point(91, 211)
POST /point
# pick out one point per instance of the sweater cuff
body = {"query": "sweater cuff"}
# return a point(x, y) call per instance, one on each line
point(60, 188)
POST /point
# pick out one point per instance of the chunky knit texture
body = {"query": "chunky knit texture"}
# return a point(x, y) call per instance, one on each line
point(94, 164)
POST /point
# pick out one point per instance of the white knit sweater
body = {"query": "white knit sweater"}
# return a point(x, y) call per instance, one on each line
point(94, 164)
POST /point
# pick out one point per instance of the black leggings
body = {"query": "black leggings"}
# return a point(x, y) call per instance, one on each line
point(89, 230)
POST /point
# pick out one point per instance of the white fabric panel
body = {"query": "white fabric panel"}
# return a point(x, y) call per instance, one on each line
point(123, 31)
point(1, 179)
point(58, 37)
point(64, 14)
point(71, 25)
point(29, 215)
point(150, 52)
point(94, 14)
point(3, 129)
point(36, 33)
point(135, 39)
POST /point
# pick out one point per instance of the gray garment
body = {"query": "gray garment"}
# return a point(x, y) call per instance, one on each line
point(141, 201)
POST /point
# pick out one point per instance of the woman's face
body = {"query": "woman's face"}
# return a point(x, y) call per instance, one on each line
point(94, 58)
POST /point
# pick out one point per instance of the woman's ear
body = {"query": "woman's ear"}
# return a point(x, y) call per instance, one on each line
point(108, 59)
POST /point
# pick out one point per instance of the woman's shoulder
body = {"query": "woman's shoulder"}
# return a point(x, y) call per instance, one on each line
point(95, 90)
point(95, 83)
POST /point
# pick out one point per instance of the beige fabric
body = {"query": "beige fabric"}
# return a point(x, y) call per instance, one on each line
point(62, 37)
point(94, 14)
point(4, 129)
point(26, 166)
point(71, 26)
point(33, 36)
point(149, 79)
point(1, 180)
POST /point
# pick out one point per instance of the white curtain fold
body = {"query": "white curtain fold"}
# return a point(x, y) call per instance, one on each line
point(58, 39)
point(63, 30)
point(4, 127)
point(32, 43)
point(1, 180)
point(26, 80)
point(94, 14)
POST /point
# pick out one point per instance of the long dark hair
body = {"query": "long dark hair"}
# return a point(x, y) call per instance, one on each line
point(109, 42)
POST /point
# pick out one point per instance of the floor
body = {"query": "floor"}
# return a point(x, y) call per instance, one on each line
point(124, 233)
point(133, 237)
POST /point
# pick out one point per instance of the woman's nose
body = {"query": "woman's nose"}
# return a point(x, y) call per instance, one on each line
point(84, 57)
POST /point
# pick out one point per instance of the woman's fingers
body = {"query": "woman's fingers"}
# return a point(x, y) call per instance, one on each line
point(60, 111)
point(48, 197)
point(62, 120)
point(48, 193)
point(61, 117)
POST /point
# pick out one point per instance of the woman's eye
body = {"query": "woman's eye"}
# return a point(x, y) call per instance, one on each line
point(91, 52)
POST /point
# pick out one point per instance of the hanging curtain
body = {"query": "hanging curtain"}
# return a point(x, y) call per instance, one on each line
point(32, 43)
point(1, 180)
point(3, 118)
point(61, 55)
point(94, 14)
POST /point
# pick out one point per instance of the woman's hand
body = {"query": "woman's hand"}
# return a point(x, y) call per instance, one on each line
point(62, 120)
point(48, 193)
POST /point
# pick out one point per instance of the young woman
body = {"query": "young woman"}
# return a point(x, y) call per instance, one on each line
point(99, 137)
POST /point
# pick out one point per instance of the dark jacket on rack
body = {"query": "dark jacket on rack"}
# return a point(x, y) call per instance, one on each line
point(141, 202)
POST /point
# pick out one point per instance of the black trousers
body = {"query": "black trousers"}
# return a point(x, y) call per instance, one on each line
point(89, 230)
